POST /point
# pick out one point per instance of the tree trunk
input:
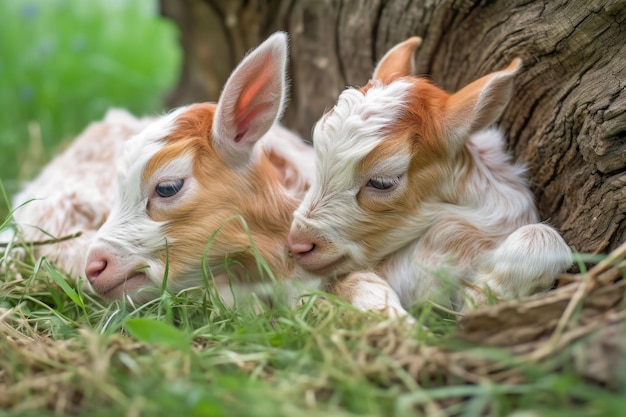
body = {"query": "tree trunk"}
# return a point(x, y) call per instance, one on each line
point(567, 120)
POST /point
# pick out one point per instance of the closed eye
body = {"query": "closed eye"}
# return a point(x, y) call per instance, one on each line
point(381, 183)
point(167, 189)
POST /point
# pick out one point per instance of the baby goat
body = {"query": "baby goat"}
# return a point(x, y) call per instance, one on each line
point(217, 182)
point(213, 183)
point(411, 191)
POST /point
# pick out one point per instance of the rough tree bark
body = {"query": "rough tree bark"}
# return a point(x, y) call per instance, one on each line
point(567, 120)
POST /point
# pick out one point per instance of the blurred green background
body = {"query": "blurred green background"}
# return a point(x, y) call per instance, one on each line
point(63, 63)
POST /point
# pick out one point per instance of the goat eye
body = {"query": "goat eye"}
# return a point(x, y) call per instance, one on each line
point(383, 183)
point(169, 188)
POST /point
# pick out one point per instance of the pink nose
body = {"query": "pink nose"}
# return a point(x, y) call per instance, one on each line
point(96, 265)
point(300, 246)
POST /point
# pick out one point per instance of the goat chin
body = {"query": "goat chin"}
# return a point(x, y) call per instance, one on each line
point(415, 188)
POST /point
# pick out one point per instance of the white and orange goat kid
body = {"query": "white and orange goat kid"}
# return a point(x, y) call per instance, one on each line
point(222, 177)
point(412, 192)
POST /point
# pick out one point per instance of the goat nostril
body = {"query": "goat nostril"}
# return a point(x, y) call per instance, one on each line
point(300, 249)
point(95, 268)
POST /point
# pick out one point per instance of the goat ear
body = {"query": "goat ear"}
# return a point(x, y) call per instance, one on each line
point(479, 104)
point(252, 100)
point(398, 61)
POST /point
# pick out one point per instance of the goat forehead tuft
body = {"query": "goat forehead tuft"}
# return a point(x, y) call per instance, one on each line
point(357, 124)
point(143, 146)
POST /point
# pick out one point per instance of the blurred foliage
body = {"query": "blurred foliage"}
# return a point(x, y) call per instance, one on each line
point(63, 63)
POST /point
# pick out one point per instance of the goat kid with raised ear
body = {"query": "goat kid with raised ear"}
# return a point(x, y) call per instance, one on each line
point(214, 181)
point(224, 177)
point(412, 192)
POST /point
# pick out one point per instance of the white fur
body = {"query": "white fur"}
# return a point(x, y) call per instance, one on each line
point(372, 292)
point(74, 192)
point(350, 131)
point(129, 236)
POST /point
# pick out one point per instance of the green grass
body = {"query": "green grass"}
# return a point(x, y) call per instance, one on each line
point(64, 352)
point(63, 63)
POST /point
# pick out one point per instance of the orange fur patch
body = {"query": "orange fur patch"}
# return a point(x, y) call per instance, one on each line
point(420, 124)
point(212, 213)
point(193, 131)
point(417, 132)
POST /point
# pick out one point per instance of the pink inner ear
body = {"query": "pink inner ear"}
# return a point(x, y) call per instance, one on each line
point(250, 104)
point(252, 98)
point(252, 90)
point(246, 116)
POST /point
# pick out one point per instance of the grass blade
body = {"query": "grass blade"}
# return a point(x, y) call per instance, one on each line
point(153, 332)
point(65, 286)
